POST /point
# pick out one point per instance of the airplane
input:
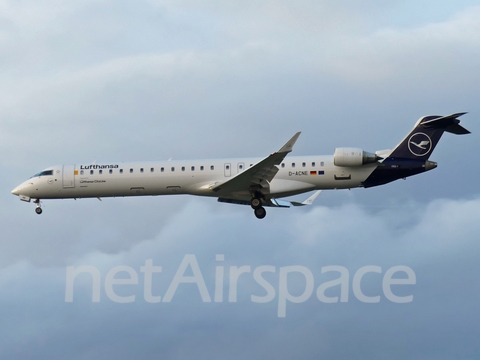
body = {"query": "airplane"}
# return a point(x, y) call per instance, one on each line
point(258, 182)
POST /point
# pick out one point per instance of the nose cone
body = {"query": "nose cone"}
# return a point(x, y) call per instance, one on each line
point(23, 189)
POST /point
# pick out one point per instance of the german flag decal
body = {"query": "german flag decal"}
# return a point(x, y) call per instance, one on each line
point(313, 173)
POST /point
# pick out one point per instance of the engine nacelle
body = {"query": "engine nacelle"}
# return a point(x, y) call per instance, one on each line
point(353, 157)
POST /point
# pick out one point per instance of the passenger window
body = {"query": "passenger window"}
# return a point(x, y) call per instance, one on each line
point(303, 164)
point(173, 169)
point(228, 167)
point(162, 169)
point(313, 164)
point(293, 165)
point(211, 167)
point(193, 168)
point(152, 169)
point(201, 168)
point(283, 165)
point(183, 168)
point(321, 164)
point(100, 172)
point(110, 171)
point(91, 172)
point(241, 167)
point(141, 170)
point(131, 171)
point(121, 171)
point(81, 172)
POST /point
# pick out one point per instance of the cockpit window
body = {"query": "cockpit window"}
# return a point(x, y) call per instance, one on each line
point(44, 173)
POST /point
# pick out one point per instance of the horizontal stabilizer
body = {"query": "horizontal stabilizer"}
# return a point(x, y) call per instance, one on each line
point(448, 123)
point(457, 129)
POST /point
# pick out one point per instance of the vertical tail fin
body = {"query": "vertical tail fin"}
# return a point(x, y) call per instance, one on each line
point(421, 141)
point(410, 157)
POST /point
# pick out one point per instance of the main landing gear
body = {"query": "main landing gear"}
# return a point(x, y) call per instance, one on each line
point(257, 207)
point(260, 212)
point(38, 209)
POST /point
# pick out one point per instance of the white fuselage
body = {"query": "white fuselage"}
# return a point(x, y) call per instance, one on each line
point(297, 174)
point(257, 182)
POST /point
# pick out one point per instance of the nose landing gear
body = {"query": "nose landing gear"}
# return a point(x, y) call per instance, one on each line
point(38, 209)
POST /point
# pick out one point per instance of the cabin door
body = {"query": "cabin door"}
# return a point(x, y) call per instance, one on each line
point(68, 176)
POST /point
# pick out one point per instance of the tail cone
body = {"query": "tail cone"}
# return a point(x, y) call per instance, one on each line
point(429, 165)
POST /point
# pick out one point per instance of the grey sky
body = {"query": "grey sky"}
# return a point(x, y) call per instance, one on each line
point(150, 80)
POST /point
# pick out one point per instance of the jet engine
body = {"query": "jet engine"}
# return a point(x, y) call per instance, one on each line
point(353, 157)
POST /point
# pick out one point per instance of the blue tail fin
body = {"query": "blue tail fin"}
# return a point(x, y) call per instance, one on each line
point(421, 141)
point(410, 157)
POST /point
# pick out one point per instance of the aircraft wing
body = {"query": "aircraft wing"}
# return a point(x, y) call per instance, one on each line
point(274, 202)
point(258, 176)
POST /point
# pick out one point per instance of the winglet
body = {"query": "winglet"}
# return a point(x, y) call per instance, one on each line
point(312, 198)
point(309, 201)
point(289, 145)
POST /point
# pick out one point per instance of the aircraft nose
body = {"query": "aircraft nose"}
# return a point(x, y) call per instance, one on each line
point(16, 191)
point(21, 189)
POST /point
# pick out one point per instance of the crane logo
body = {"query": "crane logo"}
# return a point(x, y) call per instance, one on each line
point(419, 144)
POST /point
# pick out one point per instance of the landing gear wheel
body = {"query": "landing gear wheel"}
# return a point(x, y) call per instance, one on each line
point(260, 213)
point(256, 203)
point(38, 209)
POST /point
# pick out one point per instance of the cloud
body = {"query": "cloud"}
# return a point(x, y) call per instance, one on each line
point(93, 80)
point(421, 52)
point(426, 238)
point(295, 78)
